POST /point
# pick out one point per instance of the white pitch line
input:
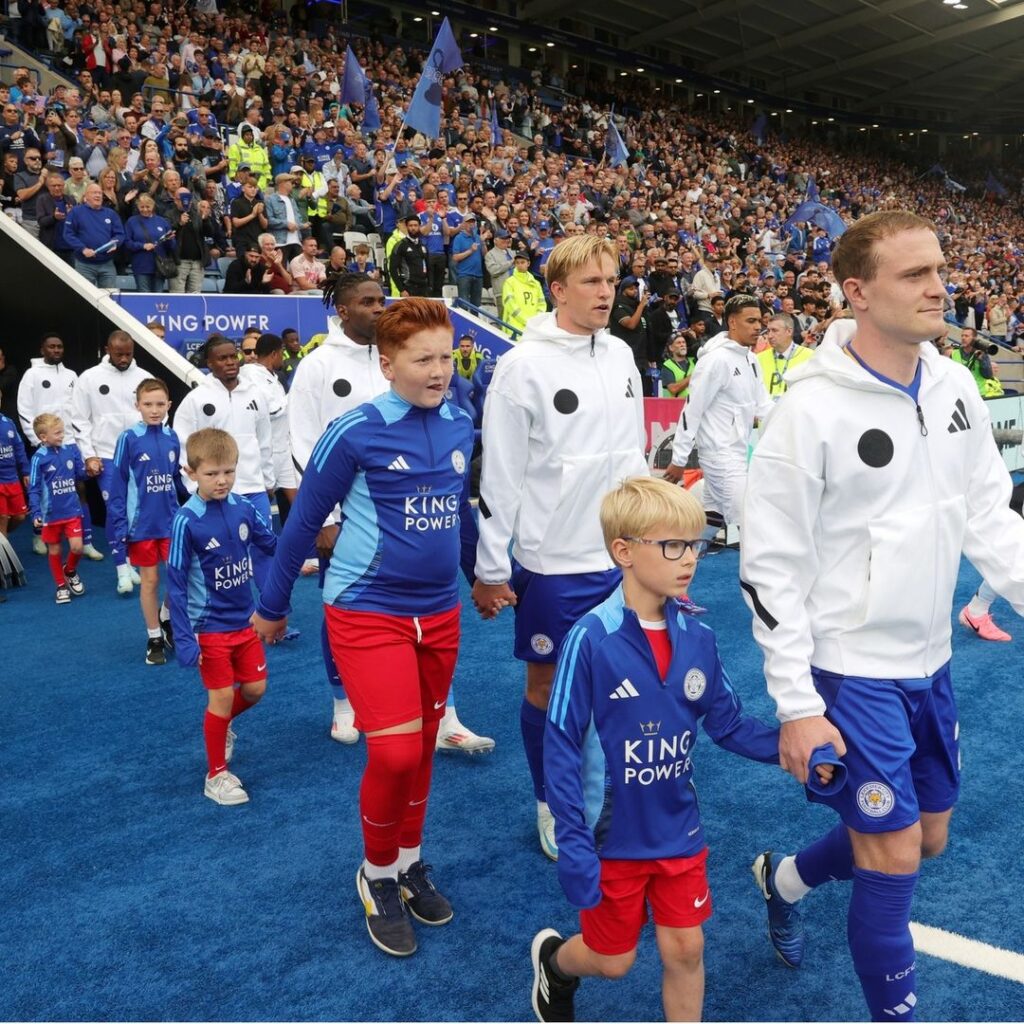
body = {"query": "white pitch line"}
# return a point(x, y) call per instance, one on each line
point(959, 949)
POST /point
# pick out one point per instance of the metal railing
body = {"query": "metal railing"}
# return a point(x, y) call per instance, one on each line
point(491, 318)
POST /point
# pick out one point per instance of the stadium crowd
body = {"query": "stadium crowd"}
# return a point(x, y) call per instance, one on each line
point(232, 129)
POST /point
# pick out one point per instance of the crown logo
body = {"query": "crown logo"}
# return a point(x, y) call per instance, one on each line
point(162, 307)
point(423, 488)
point(650, 728)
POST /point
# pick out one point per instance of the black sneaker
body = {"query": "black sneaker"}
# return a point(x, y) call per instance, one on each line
point(167, 634)
point(63, 595)
point(423, 901)
point(386, 919)
point(74, 582)
point(552, 997)
point(155, 652)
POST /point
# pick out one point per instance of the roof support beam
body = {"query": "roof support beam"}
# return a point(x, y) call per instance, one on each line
point(668, 28)
point(868, 13)
point(956, 32)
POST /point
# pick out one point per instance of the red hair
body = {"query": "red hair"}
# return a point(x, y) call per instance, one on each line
point(402, 319)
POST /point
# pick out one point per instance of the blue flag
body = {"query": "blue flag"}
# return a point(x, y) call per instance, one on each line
point(758, 127)
point(992, 184)
point(425, 107)
point(614, 148)
point(812, 190)
point(352, 90)
point(495, 127)
point(357, 88)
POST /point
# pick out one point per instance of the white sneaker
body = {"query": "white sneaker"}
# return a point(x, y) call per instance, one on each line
point(229, 745)
point(124, 580)
point(225, 788)
point(453, 735)
point(92, 554)
point(38, 546)
point(546, 831)
point(343, 728)
point(136, 578)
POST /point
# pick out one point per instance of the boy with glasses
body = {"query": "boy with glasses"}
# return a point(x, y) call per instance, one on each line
point(637, 838)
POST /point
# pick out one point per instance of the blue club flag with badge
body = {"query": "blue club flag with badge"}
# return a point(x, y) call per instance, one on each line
point(614, 148)
point(424, 112)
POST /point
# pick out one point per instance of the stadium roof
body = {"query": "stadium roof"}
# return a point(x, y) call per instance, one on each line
point(899, 57)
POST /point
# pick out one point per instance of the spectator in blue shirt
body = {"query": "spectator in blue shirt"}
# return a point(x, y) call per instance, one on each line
point(94, 233)
point(467, 255)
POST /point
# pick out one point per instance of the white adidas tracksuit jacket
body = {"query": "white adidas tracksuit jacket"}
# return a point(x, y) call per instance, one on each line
point(726, 395)
point(243, 413)
point(104, 405)
point(563, 425)
point(858, 507)
point(267, 382)
point(338, 376)
point(46, 388)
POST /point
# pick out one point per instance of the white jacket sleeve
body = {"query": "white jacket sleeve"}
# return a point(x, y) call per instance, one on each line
point(26, 405)
point(506, 445)
point(778, 563)
point(994, 537)
point(81, 421)
point(706, 382)
point(264, 435)
point(185, 425)
point(304, 426)
point(638, 408)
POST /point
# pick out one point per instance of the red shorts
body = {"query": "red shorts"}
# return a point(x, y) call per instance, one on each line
point(230, 658)
point(394, 669)
point(144, 554)
point(53, 532)
point(12, 500)
point(676, 888)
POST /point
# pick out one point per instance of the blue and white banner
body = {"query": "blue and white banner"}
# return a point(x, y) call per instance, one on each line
point(189, 320)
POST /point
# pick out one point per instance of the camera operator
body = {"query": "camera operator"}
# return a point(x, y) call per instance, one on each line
point(977, 357)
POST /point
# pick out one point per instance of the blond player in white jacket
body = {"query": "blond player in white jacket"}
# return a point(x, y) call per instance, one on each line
point(875, 472)
point(340, 375)
point(727, 397)
point(563, 425)
point(102, 406)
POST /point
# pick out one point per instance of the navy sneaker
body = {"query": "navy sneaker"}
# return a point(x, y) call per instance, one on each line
point(386, 919)
point(785, 929)
point(553, 997)
point(420, 896)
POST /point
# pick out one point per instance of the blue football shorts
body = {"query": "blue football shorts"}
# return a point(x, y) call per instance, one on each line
point(547, 607)
point(902, 747)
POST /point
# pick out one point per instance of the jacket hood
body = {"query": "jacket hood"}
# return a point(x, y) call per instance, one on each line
point(337, 337)
point(721, 340)
point(40, 361)
point(832, 362)
point(544, 328)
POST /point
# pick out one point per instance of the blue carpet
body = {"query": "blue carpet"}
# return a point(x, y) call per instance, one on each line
point(126, 895)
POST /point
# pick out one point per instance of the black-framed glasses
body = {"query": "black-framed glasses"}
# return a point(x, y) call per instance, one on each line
point(248, 351)
point(673, 550)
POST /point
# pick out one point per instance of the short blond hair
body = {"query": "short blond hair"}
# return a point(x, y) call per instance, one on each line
point(211, 445)
point(45, 422)
point(641, 503)
point(573, 253)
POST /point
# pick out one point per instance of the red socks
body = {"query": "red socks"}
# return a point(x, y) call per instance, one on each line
point(57, 570)
point(74, 557)
point(411, 833)
point(392, 766)
point(215, 733)
point(240, 704)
